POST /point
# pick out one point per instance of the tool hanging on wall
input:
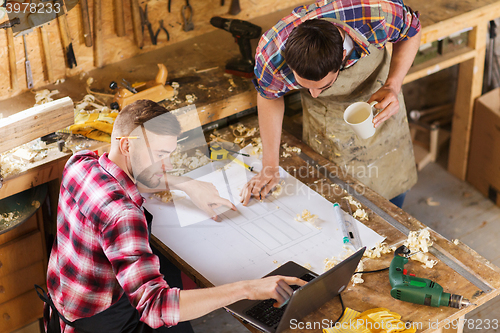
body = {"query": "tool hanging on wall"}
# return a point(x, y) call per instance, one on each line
point(65, 36)
point(119, 20)
point(162, 27)
point(235, 8)
point(27, 64)
point(136, 21)
point(169, 5)
point(187, 17)
point(12, 50)
point(145, 22)
point(87, 31)
point(98, 41)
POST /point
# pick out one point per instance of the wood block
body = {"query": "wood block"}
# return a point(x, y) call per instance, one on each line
point(19, 311)
point(20, 253)
point(35, 122)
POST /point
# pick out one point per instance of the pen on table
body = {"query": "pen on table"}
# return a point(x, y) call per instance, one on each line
point(340, 220)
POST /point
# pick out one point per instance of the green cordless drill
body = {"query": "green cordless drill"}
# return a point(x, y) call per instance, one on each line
point(406, 287)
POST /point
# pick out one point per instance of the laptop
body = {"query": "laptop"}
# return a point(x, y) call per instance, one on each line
point(306, 299)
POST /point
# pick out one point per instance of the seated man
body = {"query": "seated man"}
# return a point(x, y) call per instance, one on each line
point(102, 275)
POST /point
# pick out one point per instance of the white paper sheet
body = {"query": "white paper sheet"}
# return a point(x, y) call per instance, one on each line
point(251, 242)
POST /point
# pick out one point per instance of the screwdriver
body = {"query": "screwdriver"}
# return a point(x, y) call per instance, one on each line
point(29, 74)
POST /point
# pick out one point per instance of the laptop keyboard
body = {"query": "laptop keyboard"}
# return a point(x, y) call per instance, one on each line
point(266, 313)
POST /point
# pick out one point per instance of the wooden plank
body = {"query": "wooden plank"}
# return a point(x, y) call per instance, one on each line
point(439, 63)
point(21, 281)
point(33, 123)
point(469, 87)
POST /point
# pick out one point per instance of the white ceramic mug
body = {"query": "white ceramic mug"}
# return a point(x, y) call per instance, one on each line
point(359, 116)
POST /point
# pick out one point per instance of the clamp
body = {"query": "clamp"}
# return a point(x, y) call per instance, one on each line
point(187, 18)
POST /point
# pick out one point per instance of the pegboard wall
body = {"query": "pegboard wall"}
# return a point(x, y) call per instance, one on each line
point(49, 63)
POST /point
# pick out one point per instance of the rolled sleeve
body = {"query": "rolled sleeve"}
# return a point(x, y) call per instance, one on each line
point(406, 24)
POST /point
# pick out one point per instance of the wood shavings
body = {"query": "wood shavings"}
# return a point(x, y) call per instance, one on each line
point(90, 104)
point(291, 149)
point(360, 214)
point(7, 219)
point(164, 196)
point(190, 98)
point(257, 147)
point(275, 261)
point(35, 204)
point(44, 96)
point(456, 241)
point(377, 251)
point(306, 216)
point(352, 201)
point(175, 85)
point(278, 190)
point(420, 241)
point(431, 202)
point(241, 132)
point(182, 162)
point(307, 266)
point(59, 81)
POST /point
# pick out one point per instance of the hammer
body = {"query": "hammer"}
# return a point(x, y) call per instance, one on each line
point(219, 153)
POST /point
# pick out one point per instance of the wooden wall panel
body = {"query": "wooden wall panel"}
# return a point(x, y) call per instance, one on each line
point(118, 48)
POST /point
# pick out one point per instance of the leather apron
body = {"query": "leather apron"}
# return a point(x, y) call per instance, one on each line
point(384, 162)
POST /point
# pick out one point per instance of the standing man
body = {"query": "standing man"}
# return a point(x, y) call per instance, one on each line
point(334, 51)
point(102, 275)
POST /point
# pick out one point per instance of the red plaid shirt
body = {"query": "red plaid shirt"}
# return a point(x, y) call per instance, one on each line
point(380, 21)
point(102, 247)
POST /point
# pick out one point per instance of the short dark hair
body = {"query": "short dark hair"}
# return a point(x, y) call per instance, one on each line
point(314, 49)
point(139, 113)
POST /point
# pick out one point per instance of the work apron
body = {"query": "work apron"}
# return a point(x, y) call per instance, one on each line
point(121, 317)
point(385, 162)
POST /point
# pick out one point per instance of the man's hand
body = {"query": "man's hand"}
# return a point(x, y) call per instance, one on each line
point(276, 287)
point(205, 196)
point(388, 102)
point(260, 185)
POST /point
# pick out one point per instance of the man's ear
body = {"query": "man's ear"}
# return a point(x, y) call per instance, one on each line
point(124, 146)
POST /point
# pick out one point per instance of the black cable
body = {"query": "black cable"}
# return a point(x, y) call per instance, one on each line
point(343, 310)
point(375, 271)
point(340, 296)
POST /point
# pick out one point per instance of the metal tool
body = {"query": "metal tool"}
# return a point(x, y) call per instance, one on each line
point(10, 23)
point(169, 5)
point(27, 65)
point(219, 153)
point(446, 258)
point(145, 22)
point(65, 35)
point(187, 16)
point(162, 27)
point(128, 86)
point(409, 288)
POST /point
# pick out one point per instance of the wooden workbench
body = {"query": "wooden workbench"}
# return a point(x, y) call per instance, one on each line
point(375, 291)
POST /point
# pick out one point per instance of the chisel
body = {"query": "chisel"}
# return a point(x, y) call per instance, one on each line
point(27, 65)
